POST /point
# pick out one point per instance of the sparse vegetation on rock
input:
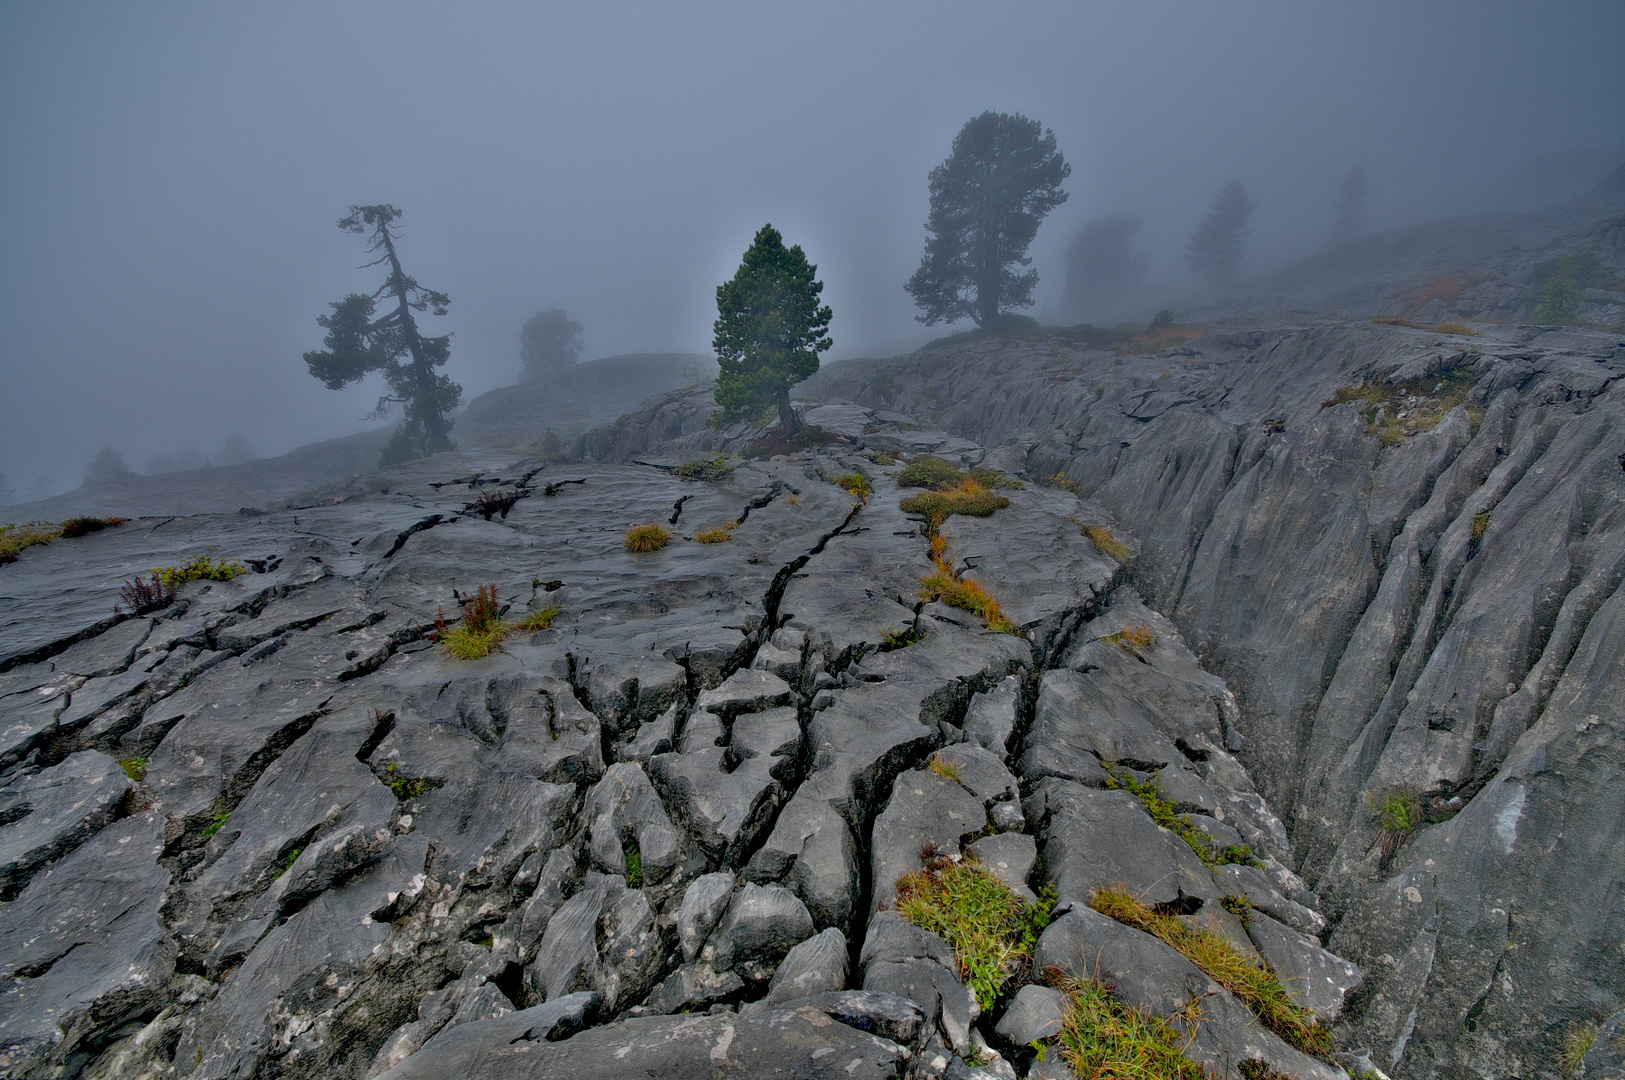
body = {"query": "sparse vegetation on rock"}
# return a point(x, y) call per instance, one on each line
point(650, 537)
point(1102, 1037)
point(1396, 411)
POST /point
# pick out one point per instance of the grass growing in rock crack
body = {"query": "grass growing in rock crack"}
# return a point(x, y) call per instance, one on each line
point(15, 539)
point(287, 864)
point(1103, 1038)
point(536, 621)
point(634, 863)
point(202, 568)
point(217, 823)
point(969, 497)
point(961, 495)
point(990, 928)
point(943, 767)
point(892, 640)
point(134, 768)
point(1162, 811)
point(1107, 543)
point(1399, 814)
point(1239, 906)
point(650, 537)
point(1255, 1069)
point(1254, 984)
point(1578, 1040)
point(967, 595)
point(404, 787)
point(1136, 639)
point(1062, 481)
point(717, 534)
point(481, 629)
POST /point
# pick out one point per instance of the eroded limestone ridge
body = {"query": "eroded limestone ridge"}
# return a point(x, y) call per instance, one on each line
point(274, 830)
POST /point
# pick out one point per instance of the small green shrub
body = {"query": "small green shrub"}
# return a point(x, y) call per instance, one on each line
point(650, 537)
point(135, 768)
point(1239, 906)
point(901, 639)
point(1107, 543)
point(856, 484)
point(404, 787)
point(201, 568)
point(718, 467)
point(1254, 984)
point(1104, 1039)
point(968, 498)
point(926, 471)
point(991, 930)
point(15, 539)
point(993, 478)
point(1399, 810)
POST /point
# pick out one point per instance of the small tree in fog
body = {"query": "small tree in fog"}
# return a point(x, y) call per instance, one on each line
point(359, 344)
point(987, 200)
point(1215, 249)
point(1102, 266)
point(108, 464)
point(235, 451)
point(549, 342)
point(1350, 209)
point(769, 331)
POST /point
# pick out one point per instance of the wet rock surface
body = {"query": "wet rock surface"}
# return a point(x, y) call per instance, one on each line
point(663, 835)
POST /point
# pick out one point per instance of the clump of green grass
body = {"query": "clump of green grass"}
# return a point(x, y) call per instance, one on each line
point(717, 534)
point(1239, 906)
point(856, 484)
point(1397, 411)
point(925, 471)
point(201, 568)
point(943, 767)
point(650, 537)
point(901, 639)
point(1253, 983)
point(1256, 1069)
point(634, 863)
point(969, 498)
point(1162, 811)
point(991, 930)
point(404, 787)
point(293, 857)
point(1107, 543)
point(1103, 1039)
point(1481, 525)
point(135, 768)
point(15, 539)
point(1399, 814)
point(880, 457)
point(1578, 1040)
point(718, 467)
point(217, 823)
point(993, 478)
point(536, 621)
point(1136, 639)
point(1063, 481)
point(481, 629)
point(967, 595)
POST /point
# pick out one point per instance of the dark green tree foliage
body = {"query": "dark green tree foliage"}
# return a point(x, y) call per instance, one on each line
point(360, 342)
point(769, 331)
point(1102, 267)
point(987, 200)
point(1350, 222)
point(1215, 249)
point(548, 343)
point(108, 464)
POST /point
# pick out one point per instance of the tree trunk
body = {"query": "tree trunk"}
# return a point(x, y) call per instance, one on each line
point(789, 422)
point(435, 432)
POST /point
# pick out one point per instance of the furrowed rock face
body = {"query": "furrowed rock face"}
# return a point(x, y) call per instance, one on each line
point(275, 829)
point(1415, 612)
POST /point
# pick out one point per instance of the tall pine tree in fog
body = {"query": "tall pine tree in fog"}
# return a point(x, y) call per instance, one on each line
point(359, 344)
point(1216, 247)
point(987, 200)
point(549, 342)
point(769, 331)
point(1350, 209)
point(1102, 267)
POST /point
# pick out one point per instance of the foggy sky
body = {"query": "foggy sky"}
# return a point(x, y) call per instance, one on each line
point(170, 174)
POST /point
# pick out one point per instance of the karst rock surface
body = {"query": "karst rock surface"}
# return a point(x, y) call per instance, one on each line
point(274, 830)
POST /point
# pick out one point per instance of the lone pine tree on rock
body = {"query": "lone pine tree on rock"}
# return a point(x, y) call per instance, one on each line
point(987, 200)
point(769, 331)
point(359, 344)
point(1216, 246)
point(549, 342)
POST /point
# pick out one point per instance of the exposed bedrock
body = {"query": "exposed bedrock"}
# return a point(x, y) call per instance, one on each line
point(275, 830)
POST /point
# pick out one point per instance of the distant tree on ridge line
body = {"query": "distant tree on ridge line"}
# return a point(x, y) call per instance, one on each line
point(1216, 247)
point(550, 341)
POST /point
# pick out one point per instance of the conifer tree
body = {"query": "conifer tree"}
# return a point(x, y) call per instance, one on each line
point(359, 344)
point(1215, 248)
point(769, 331)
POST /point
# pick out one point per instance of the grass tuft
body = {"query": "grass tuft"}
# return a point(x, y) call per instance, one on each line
point(217, 823)
point(967, 595)
point(84, 526)
point(135, 768)
point(405, 787)
point(1255, 985)
point(1063, 481)
point(536, 621)
point(717, 534)
point(1107, 543)
point(991, 930)
point(1103, 1039)
point(650, 537)
point(1239, 906)
point(1256, 1069)
point(201, 568)
point(1399, 814)
point(1395, 412)
point(1481, 525)
point(925, 471)
point(969, 498)
point(481, 629)
point(634, 863)
point(1136, 639)
point(1577, 1043)
point(1162, 811)
point(943, 767)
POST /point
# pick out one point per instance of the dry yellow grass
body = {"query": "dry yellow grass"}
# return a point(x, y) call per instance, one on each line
point(1107, 543)
point(650, 537)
